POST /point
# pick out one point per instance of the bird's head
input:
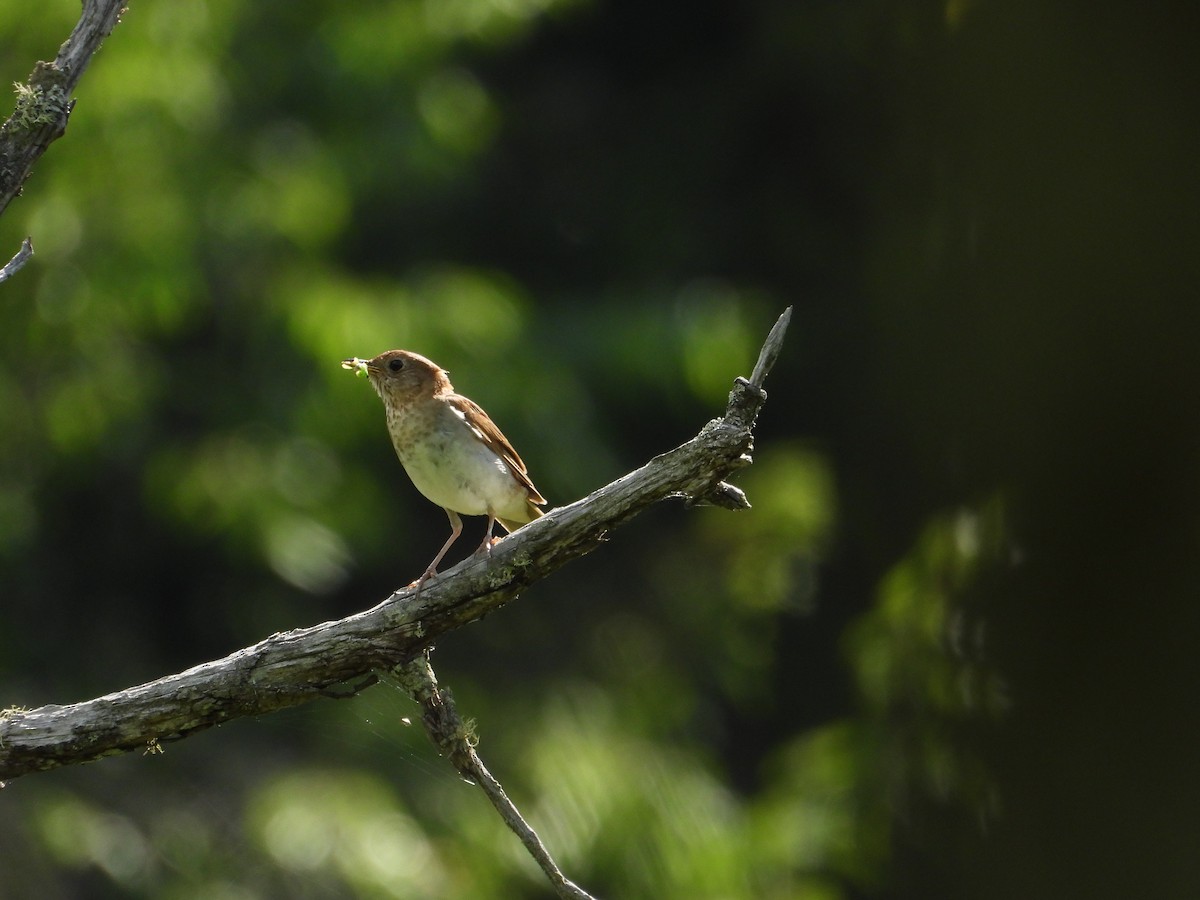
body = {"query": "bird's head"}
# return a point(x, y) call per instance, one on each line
point(400, 376)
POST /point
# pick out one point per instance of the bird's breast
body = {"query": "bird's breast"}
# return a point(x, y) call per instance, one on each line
point(452, 467)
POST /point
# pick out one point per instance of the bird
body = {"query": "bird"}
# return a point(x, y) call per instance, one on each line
point(450, 448)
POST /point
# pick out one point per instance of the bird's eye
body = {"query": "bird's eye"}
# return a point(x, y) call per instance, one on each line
point(395, 365)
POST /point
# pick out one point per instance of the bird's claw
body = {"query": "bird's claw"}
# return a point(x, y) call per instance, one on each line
point(485, 549)
point(420, 582)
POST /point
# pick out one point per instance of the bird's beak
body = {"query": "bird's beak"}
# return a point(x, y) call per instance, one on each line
point(359, 366)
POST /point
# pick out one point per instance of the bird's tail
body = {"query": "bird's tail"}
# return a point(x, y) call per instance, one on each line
point(512, 524)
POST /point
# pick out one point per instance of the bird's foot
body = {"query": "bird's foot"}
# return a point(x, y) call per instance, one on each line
point(485, 549)
point(420, 582)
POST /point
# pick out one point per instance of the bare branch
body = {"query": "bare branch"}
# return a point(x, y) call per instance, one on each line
point(456, 740)
point(748, 395)
point(295, 667)
point(14, 265)
point(770, 349)
point(44, 102)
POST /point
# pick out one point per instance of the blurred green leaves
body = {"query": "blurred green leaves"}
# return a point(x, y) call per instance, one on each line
point(79, 834)
point(901, 648)
point(345, 828)
point(773, 554)
point(711, 320)
point(920, 660)
point(457, 112)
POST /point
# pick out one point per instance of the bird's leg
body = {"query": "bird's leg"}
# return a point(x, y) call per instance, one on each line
point(488, 541)
point(455, 531)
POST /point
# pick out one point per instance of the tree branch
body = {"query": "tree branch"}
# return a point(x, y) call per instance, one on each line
point(456, 740)
point(43, 102)
point(295, 667)
point(14, 265)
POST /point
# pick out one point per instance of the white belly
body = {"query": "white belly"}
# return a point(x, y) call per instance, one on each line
point(463, 475)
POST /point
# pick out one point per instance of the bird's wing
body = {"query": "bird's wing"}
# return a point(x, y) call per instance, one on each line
point(485, 429)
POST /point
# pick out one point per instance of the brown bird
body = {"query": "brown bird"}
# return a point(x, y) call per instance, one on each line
point(450, 448)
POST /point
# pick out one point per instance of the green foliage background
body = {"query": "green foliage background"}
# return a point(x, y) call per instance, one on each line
point(949, 652)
